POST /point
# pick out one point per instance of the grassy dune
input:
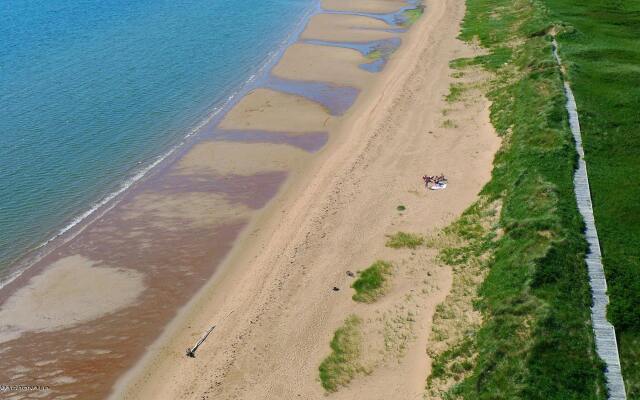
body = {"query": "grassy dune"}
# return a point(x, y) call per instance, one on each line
point(342, 364)
point(370, 284)
point(600, 45)
point(535, 340)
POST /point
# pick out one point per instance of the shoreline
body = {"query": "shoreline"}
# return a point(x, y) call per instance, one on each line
point(76, 225)
point(164, 372)
point(125, 215)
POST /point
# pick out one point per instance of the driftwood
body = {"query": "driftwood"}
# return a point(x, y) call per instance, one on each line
point(191, 351)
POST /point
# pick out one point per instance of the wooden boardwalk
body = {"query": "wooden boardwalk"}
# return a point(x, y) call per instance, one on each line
point(605, 334)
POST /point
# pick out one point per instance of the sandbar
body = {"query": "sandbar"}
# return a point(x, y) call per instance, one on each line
point(265, 109)
point(368, 6)
point(309, 62)
point(346, 28)
point(71, 290)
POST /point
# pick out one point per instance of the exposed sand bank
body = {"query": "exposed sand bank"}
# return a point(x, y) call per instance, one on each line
point(72, 290)
point(343, 27)
point(278, 282)
point(308, 62)
point(369, 6)
point(279, 111)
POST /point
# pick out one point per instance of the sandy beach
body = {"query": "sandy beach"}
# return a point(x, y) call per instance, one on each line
point(252, 226)
point(272, 302)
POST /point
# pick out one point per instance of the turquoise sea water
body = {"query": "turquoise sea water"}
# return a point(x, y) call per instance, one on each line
point(93, 91)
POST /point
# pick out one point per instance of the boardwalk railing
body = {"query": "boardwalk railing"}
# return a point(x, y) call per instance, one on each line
point(605, 334)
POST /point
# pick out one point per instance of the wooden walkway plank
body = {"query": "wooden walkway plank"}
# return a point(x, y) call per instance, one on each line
point(605, 334)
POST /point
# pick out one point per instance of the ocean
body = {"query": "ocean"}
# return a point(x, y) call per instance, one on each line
point(92, 93)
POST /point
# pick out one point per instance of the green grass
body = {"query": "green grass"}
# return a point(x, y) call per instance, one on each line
point(343, 363)
point(412, 15)
point(467, 246)
point(370, 284)
point(401, 208)
point(536, 339)
point(599, 44)
point(449, 124)
point(455, 93)
point(629, 348)
point(374, 55)
point(404, 240)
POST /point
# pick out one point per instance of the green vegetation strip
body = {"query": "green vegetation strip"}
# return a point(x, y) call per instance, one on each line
point(536, 339)
point(455, 92)
point(343, 363)
point(598, 42)
point(466, 246)
point(370, 284)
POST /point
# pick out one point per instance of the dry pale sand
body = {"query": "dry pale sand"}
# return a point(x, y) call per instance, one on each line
point(369, 6)
point(239, 158)
point(278, 111)
point(71, 291)
point(277, 282)
point(307, 62)
point(344, 27)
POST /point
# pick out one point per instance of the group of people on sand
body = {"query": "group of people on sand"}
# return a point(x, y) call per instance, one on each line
point(434, 179)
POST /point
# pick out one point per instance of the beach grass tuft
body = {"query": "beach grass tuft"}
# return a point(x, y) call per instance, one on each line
point(455, 92)
point(375, 54)
point(449, 124)
point(412, 15)
point(370, 284)
point(343, 363)
point(404, 240)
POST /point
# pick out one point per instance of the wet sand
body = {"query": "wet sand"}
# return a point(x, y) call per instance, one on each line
point(310, 142)
point(371, 6)
point(207, 232)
